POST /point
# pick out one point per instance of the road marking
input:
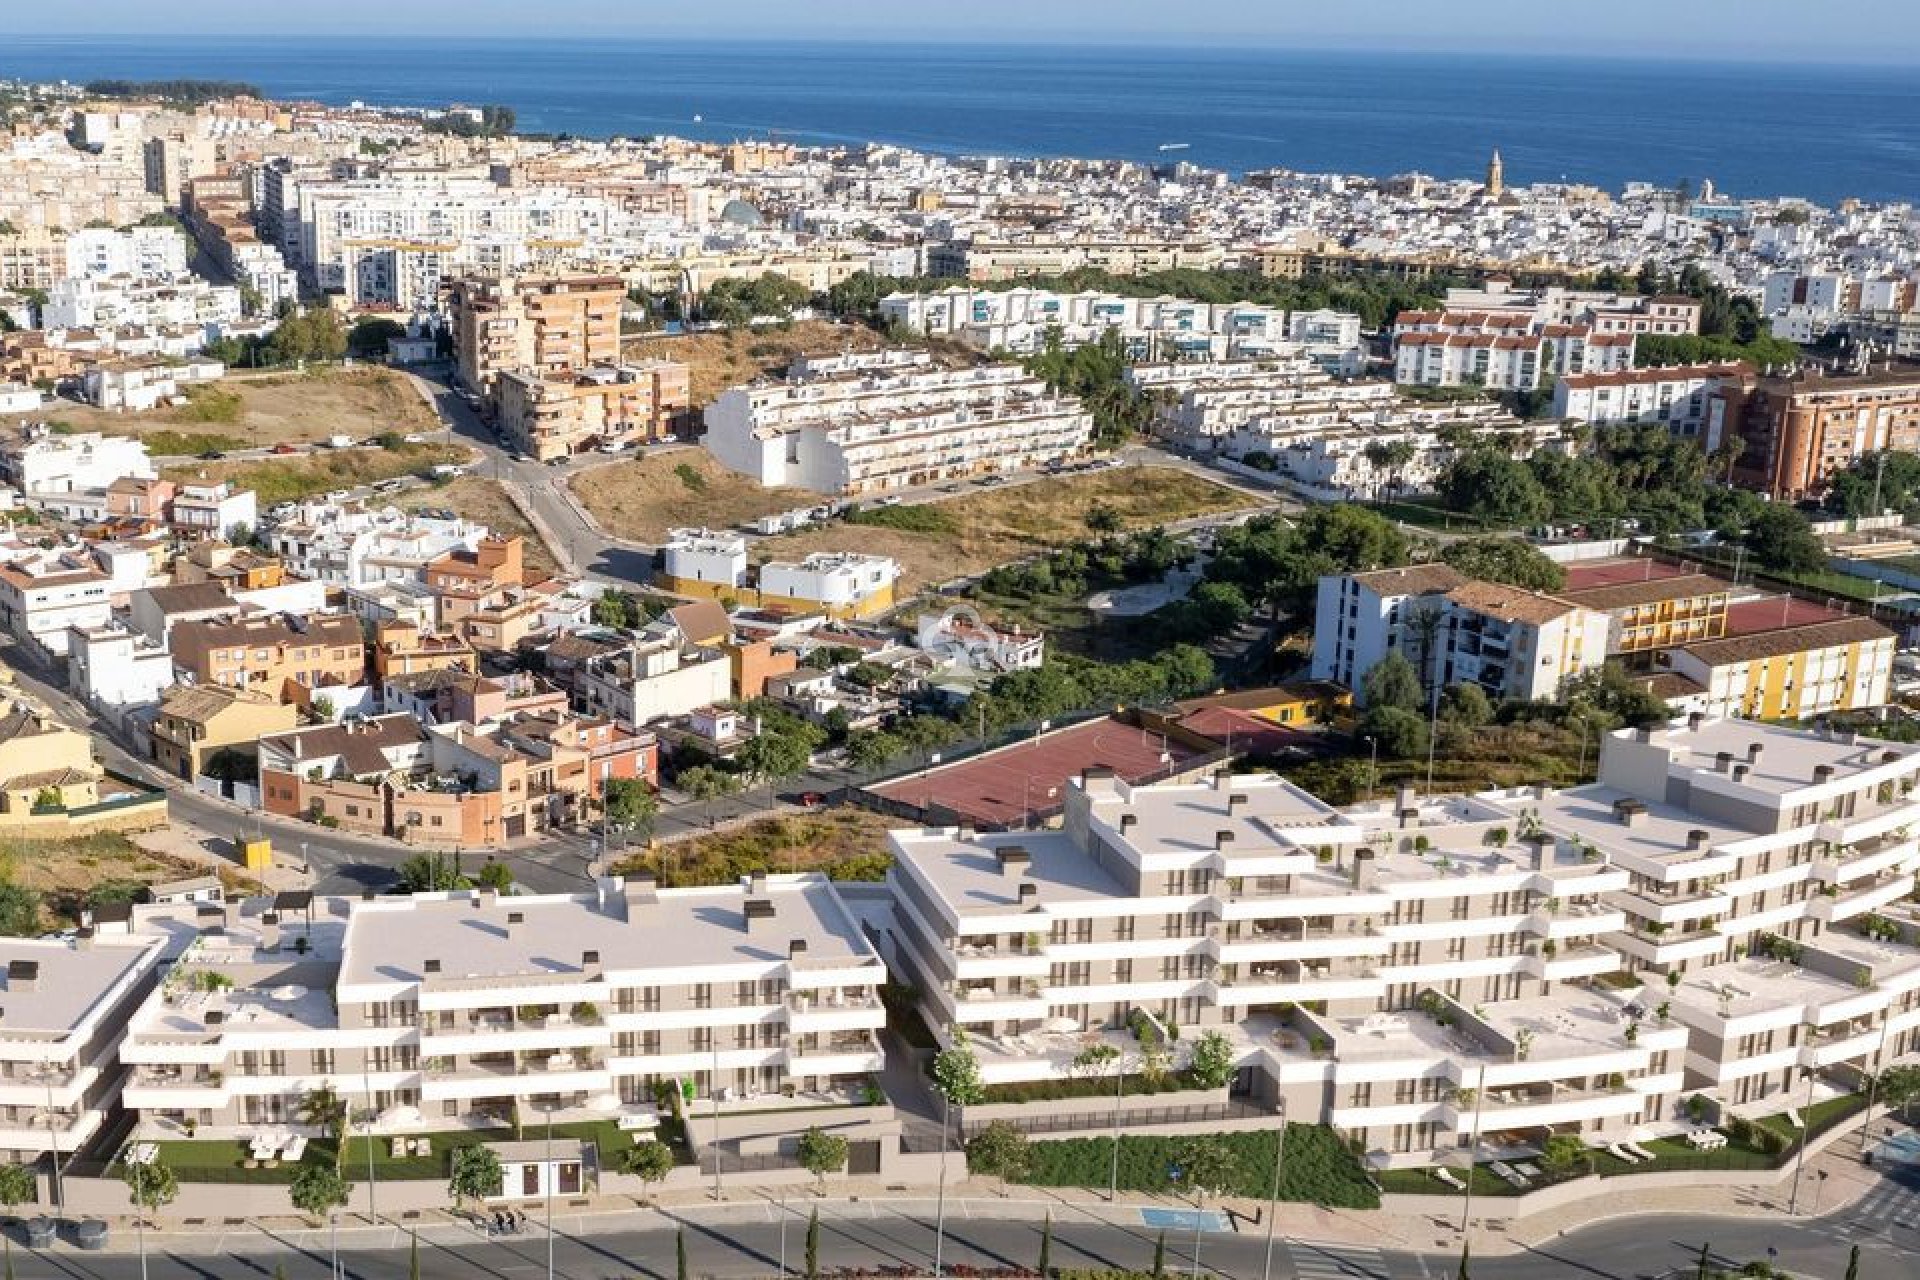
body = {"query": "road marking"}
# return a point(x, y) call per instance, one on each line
point(1312, 1261)
point(1184, 1219)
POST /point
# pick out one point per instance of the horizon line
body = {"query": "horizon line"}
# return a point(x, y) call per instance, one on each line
point(1225, 42)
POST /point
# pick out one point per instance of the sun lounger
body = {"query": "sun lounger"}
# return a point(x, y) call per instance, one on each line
point(1639, 1150)
point(1447, 1177)
point(1619, 1151)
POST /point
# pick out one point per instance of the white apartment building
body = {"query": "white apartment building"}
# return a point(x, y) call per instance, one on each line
point(1164, 328)
point(1421, 970)
point(1472, 349)
point(1515, 644)
point(1678, 397)
point(705, 555)
point(1822, 294)
point(1334, 456)
point(473, 1010)
point(1200, 403)
point(35, 460)
point(653, 680)
point(839, 581)
point(67, 1005)
point(43, 596)
point(138, 253)
point(134, 384)
point(862, 424)
point(113, 667)
point(82, 302)
point(1598, 310)
point(361, 548)
point(212, 509)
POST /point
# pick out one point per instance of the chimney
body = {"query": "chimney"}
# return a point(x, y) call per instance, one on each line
point(639, 891)
point(23, 975)
point(1127, 822)
point(1723, 761)
point(758, 886)
point(1739, 773)
point(590, 961)
point(757, 914)
point(1237, 801)
point(1694, 720)
point(1029, 892)
point(1014, 859)
point(270, 931)
point(1753, 752)
point(1222, 841)
point(516, 923)
point(1542, 850)
point(488, 898)
point(1629, 812)
point(1363, 868)
point(1822, 773)
point(797, 949)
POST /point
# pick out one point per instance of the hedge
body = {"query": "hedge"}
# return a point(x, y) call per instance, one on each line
point(1132, 1086)
point(1319, 1168)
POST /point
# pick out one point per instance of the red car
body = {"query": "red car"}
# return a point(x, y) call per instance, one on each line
point(284, 447)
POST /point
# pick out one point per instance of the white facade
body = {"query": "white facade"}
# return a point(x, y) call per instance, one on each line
point(112, 667)
point(359, 548)
point(1678, 397)
point(654, 681)
point(138, 253)
point(43, 596)
point(118, 303)
point(867, 424)
point(213, 510)
point(703, 555)
point(835, 579)
point(136, 385)
point(38, 461)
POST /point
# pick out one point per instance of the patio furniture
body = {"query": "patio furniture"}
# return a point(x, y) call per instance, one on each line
point(1619, 1151)
point(1639, 1150)
point(399, 1148)
point(1527, 1171)
point(296, 1147)
point(423, 1146)
point(1447, 1177)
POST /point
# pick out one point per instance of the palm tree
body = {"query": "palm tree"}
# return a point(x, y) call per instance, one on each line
point(324, 1109)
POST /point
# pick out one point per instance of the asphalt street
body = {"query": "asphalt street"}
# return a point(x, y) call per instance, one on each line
point(751, 1239)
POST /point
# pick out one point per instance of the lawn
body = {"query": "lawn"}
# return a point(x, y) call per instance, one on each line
point(292, 478)
point(643, 498)
point(293, 407)
point(716, 361)
point(71, 875)
point(484, 501)
point(1318, 1167)
point(224, 1159)
point(1423, 516)
point(974, 532)
point(845, 842)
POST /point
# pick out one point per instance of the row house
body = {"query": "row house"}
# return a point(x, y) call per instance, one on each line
point(272, 652)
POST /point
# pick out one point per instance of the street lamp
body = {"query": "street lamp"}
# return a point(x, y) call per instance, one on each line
point(940, 1197)
point(1473, 1149)
point(1273, 1205)
point(1800, 1161)
point(1873, 1084)
point(1119, 1081)
point(45, 1074)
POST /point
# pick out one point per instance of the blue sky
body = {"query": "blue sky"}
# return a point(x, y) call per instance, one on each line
point(1826, 30)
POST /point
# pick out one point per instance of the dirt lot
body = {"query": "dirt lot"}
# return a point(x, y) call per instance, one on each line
point(485, 501)
point(68, 874)
point(846, 843)
point(243, 411)
point(644, 498)
point(286, 479)
point(717, 361)
point(991, 527)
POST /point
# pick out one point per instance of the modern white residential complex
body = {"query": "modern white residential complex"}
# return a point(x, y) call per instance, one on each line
point(66, 1005)
point(863, 424)
point(1719, 912)
point(1679, 397)
point(34, 459)
point(471, 1009)
point(1021, 321)
point(1499, 351)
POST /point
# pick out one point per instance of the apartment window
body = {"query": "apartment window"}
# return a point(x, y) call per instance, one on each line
point(1123, 929)
point(322, 1062)
point(743, 992)
point(1170, 968)
point(703, 995)
point(701, 1039)
point(1123, 971)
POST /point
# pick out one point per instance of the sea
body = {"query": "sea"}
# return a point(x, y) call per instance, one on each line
point(1824, 132)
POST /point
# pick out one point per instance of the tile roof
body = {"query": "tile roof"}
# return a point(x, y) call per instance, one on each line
point(1773, 644)
point(1510, 604)
point(1412, 580)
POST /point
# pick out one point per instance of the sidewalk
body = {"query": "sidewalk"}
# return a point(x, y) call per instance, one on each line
point(1437, 1231)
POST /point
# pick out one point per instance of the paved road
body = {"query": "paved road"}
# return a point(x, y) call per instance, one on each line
point(745, 1240)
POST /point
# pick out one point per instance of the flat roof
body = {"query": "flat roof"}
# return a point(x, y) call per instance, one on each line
point(1788, 756)
point(391, 939)
point(70, 984)
point(967, 874)
point(1187, 817)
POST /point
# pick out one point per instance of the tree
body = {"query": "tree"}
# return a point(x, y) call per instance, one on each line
point(813, 1245)
point(1400, 734)
point(1103, 518)
point(772, 757)
point(821, 1154)
point(1212, 1060)
point(1781, 538)
point(370, 335)
point(476, 1175)
point(649, 1161)
point(19, 910)
point(494, 875)
point(318, 1189)
point(431, 873)
point(1391, 682)
point(956, 1074)
point(870, 749)
point(324, 1109)
point(704, 784)
point(18, 1186)
point(1563, 1151)
point(1900, 1086)
point(1207, 1165)
point(999, 1151)
point(1493, 486)
point(631, 804)
point(680, 1253)
point(1044, 1268)
point(1465, 706)
point(1507, 560)
point(150, 1188)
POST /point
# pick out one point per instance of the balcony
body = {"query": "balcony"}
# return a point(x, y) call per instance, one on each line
point(1860, 897)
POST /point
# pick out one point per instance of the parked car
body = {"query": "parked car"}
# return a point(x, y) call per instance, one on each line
point(284, 447)
point(212, 455)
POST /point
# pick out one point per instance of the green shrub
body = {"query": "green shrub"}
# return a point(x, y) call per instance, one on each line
point(929, 519)
point(1319, 1167)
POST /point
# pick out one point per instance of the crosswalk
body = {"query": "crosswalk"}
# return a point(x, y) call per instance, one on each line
point(1890, 1204)
point(1313, 1261)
